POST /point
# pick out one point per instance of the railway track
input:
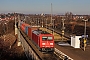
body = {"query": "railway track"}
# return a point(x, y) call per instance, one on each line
point(56, 55)
point(61, 55)
point(49, 56)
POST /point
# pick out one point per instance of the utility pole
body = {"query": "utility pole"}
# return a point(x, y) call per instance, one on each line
point(52, 20)
point(4, 25)
point(46, 22)
point(42, 19)
point(53, 25)
point(51, 13)
point(37, 20)
point(15, 25)
point(85, 39)
point(63, 29)
point(19, 42)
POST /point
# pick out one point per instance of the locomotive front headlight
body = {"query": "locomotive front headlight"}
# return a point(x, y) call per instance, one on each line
point(43, 43)
point(51, 43)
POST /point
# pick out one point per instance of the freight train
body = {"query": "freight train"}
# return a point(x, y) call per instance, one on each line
point(43, 40)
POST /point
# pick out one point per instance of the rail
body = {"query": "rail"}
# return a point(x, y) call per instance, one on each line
point(61, 55)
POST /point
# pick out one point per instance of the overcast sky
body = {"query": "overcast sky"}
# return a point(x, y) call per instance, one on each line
point(44, 6)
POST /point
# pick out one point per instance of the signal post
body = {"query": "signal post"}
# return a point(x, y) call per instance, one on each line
point(85, 37)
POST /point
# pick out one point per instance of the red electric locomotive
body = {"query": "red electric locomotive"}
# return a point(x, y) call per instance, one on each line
point(43, 40)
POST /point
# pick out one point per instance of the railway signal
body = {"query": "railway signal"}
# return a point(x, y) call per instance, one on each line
point(85, 38)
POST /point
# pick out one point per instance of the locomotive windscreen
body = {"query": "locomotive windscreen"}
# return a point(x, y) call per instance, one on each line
point(47, 38)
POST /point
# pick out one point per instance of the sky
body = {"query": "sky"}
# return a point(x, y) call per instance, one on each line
point(44, 6)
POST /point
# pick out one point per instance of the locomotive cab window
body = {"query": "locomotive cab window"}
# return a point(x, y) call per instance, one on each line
point(46, 38)
point(49, 38)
